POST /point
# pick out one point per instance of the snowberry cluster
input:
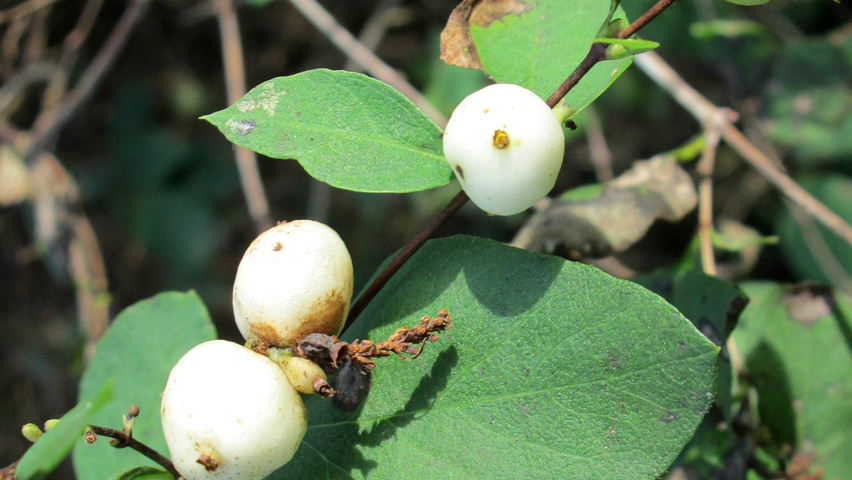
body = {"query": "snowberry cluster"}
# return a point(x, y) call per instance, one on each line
point(230, 413)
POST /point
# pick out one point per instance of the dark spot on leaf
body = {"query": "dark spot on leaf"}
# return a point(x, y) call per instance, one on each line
point(668, 418)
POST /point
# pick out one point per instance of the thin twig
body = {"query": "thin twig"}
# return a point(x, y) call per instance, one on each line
point(22, 10)
point(232, 59)
point(597, 49)
point(128, 441)
point(597, 52)
point(598, 149)
point(703, 110)
point(455, 204)
point(52, 121)
point(824, 257)
point(369, 61)
point(705, 199)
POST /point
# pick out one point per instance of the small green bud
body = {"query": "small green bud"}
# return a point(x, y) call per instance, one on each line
point(50, 424)
point(615, 27)
point(31, 432)
point(615, 51)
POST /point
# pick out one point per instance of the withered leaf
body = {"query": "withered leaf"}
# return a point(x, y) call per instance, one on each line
point(457, 47)
point(618, 216)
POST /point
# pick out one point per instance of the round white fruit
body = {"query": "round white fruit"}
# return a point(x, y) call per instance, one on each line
point(230, 413)
point(295, 279)
point(505, 146)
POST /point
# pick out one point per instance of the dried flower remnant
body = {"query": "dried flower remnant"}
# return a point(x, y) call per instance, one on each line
point(354, 361)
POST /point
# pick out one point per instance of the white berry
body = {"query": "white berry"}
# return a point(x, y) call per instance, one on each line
point(230, 413)
point(505, 146)
point(295, 279)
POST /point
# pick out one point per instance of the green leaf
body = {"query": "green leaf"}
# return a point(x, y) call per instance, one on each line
point(713, 305)
point(796, 346)
point(807, 108)
point(748, 3)
point(551, 366)
point(539, 48)
point(812, 251)
point(46, 454)
point(139, 350)
point(346, 129)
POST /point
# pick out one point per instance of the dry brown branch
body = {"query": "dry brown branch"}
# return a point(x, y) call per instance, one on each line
point(23, 10)
point(598, 149)
point(232, 59)
point(51, 121)
point(705, 111)
point(705, 198)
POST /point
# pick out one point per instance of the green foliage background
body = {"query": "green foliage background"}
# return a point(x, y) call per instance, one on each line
point(162, 191)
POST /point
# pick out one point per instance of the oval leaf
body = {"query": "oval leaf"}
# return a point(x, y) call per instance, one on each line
point(551, 366)
point(346, 129)
point(539, 48)
point(139, 350)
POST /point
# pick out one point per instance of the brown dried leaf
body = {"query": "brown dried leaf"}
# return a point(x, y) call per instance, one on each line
point(457, 47)
point(618, 216)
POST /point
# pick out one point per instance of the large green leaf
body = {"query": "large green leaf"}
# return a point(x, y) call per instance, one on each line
point(552, 370)
point(57, 442)
point(797, 350)
point(346, 129)
point(139, 350)
point(539, 48)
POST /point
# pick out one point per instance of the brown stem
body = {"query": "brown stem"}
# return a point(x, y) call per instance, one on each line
point(126, 440)
point(596, 53)
point(455, 204)
point(646, 18)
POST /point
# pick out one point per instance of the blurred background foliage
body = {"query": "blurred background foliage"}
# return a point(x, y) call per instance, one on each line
point(162, 191)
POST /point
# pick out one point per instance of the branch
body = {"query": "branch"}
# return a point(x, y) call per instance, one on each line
point(52, 121)
point(597, 52)
point(455, 204)
point(705, 112)
point(232, 59)
point(125, 440)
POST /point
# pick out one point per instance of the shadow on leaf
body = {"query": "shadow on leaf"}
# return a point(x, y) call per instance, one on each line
point(329, 449)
